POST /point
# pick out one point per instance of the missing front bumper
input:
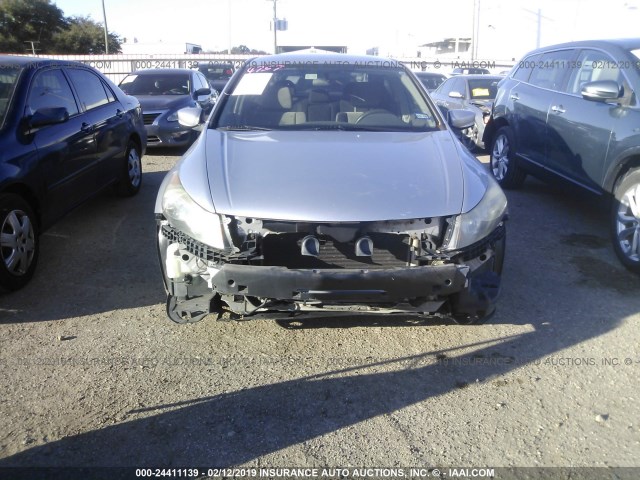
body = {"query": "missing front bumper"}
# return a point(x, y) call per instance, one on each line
point(467, 289)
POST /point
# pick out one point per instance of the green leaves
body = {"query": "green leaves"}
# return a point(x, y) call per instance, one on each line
point(28, 25)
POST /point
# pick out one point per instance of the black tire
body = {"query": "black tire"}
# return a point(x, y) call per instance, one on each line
point(503, 161)
point(179, 316)
point(19, 242)
point(491, 287)
point(469, 138)
point(130, 179)
point(625, 220)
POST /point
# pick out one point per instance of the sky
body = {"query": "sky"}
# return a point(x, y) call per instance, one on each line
point(507, 29)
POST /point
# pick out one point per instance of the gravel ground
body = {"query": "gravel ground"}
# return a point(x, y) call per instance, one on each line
point(92, 372)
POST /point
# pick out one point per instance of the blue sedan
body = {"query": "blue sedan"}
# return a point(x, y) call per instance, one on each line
point(66, 133)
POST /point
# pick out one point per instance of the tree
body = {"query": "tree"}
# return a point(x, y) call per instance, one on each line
point(240, 50)
point(84, 35)
point(25, 21)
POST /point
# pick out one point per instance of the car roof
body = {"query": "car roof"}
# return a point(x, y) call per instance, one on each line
point(215, 63)
point(35, 62)
point(616, 43)
point(164, 71)
point(322, 56)
point(473, 76)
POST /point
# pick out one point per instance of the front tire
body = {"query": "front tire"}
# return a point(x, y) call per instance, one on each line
point(176, 314)
point(476, 304)
point(19, 242)
point(469, 138)
point(131, 174)
point(625, 220)
point(504, 165)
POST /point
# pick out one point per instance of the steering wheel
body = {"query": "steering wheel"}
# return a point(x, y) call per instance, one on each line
point(378, 116)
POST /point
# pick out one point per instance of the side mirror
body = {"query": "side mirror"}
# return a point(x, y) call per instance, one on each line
point(461, 119)
point(202, 94)
point(48, 116)
point(601, 90)
point(189, 116)
point(455, 94)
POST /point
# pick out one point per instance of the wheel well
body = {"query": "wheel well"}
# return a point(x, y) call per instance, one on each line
point(496, 125)
point(138, 141)
point(24, 192)
point(626, 165)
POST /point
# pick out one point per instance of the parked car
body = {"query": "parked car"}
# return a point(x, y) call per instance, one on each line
point(358, 200)
point(430, 80)
point(217, 74)
point(474, 93)
point(162, 93)
point(470, 71)
point(571, 111)
point(66, 133)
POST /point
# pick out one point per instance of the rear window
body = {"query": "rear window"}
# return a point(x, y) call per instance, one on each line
point(156, 84)
point(431, 81)
point(217, 72)
point(91, 90)
point(483, 89)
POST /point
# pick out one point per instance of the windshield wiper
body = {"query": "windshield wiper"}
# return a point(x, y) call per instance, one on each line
point(348, 127)
point(244, 128)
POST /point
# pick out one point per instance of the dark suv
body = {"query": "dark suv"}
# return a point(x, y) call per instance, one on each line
point(572, 111)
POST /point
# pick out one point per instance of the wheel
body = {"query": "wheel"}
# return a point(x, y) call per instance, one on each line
point(179, 316)
point(131, 173)
point(625, 220)
point(469, 138)
point(379, 118)
point(504, 164)
point(476, 304)
point(19, 242)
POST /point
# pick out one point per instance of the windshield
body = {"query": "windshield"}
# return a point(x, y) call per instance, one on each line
point(156, 84)
point(217, 72)
point(483, 89)
point(8, 80)
point(316, 96)
point(430, 81)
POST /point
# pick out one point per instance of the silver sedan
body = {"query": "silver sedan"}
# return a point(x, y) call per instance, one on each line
point(326, 182)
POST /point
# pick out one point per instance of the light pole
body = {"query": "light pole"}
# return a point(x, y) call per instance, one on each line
point(33, 45)
point(229, 9)
point(475, 36)
point(106, 31)
point(275, 27)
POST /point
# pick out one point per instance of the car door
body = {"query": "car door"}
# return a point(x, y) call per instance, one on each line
point(531, 101)
point(106, 117)
point(579, 130)
point(67, 151)
point(440, 94)
point(207, 105)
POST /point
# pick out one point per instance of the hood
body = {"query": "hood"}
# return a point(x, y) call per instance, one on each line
point(163, 102)
point(334, 176)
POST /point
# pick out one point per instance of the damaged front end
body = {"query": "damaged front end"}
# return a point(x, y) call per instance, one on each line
point(256, 265)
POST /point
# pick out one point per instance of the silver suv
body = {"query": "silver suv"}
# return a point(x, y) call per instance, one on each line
point(571, 111)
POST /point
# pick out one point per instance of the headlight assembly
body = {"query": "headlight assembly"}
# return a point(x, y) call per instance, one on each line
point(173, 117)
point(185, 214)
point(471, 227)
